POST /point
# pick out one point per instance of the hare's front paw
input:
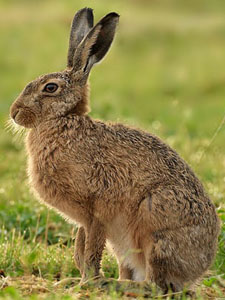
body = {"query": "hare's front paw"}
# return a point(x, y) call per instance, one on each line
point(89, 280)
point(89, 277)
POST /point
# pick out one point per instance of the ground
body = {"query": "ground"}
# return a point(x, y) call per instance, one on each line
point(165, 73)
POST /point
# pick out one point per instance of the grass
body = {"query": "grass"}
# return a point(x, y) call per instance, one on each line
point(164, 73)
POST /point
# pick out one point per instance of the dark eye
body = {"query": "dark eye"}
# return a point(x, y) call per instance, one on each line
point(50, 87)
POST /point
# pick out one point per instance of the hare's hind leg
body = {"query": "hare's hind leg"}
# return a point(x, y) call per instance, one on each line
point(79, 249)
point(177, 257)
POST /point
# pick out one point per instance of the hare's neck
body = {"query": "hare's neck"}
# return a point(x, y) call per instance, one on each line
point(58, 131)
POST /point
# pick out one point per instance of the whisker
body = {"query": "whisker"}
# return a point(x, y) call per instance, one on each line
point(15, 129)
point(9, 125)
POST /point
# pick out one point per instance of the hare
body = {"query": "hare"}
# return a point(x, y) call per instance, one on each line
point(120, 184)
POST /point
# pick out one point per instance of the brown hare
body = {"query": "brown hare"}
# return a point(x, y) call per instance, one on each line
point(119, 184)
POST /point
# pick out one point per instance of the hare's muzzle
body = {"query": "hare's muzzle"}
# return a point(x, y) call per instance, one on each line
point(14, 110)
point(22, 115)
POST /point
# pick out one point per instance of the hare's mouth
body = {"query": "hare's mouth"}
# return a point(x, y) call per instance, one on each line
point(23, 117)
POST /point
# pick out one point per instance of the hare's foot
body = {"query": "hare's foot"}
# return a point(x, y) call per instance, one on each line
point(163, 283)
point(91, 281)
point(126, 287)
point(159, 272)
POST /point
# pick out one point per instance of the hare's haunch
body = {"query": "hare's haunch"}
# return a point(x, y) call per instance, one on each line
point(120, 184)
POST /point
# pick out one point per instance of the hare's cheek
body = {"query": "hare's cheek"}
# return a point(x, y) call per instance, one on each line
point(60, 108)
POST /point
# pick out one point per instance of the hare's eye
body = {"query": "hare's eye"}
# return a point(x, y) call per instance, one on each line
point(50, 87)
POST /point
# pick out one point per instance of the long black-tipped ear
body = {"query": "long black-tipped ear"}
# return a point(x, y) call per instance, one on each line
point(96, 43)
point(81, 25)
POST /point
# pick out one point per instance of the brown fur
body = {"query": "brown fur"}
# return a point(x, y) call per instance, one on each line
point(120, 184)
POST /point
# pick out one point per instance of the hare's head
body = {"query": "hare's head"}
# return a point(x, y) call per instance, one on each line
point(62, 93)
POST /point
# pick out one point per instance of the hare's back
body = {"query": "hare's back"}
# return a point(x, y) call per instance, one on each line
point(147, 150)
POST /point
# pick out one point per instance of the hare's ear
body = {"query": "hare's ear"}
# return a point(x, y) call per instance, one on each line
point(81, 25)
point(96, 43)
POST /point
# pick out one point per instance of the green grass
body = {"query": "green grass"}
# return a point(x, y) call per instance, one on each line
point(165, 73)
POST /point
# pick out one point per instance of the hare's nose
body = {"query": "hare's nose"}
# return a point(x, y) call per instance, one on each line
point(14, 113)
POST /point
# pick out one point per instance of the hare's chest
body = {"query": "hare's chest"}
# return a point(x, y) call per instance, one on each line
point(44, 175)
point(58, 187)
point(52, 176)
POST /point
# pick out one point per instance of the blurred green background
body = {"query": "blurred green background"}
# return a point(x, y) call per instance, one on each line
point(165, 73)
